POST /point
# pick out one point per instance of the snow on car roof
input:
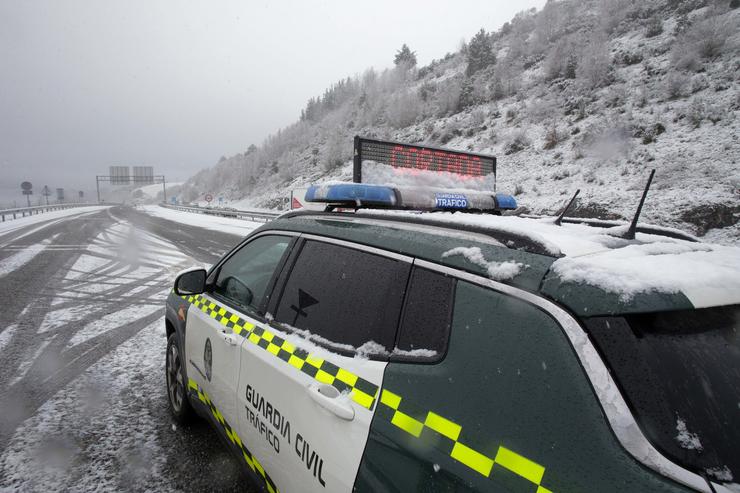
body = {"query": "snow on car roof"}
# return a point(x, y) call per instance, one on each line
point(707, 274)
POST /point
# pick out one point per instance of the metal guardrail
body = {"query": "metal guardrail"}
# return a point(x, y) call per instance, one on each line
point(6, 214)
point(237, 214)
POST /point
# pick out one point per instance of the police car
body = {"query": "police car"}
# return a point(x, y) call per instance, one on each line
point(410, 344)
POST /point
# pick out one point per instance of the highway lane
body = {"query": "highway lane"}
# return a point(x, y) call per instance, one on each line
point(82, 393)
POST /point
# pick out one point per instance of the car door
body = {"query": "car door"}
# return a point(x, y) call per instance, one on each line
point(237, 287)
point(310, 378)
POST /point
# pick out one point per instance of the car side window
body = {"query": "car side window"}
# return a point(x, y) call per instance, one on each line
point(427, 317)
point(244, 277)
point(345, 298)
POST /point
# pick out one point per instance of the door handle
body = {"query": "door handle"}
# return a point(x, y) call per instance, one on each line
point(229, 337)
point(330, 399)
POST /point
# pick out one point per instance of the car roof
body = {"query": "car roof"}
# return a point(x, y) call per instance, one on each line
point(587, 267)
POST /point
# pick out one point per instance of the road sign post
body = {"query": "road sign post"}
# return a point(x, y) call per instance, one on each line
point(26, 187)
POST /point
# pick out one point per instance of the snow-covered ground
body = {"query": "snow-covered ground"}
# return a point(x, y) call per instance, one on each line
point(11, 225)
point(96, 430)
point(60, 447)
point(222, 224)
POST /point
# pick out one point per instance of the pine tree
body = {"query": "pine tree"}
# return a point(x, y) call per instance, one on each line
point(570, 67)
point(405, 57)
point(480, 53)
point(467, 98)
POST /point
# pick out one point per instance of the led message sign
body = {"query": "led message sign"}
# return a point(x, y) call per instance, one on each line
point(413, 157)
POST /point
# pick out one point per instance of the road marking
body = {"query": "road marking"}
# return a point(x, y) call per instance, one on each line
point(18, 260)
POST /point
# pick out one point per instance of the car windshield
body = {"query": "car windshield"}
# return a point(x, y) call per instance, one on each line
point(680, 372)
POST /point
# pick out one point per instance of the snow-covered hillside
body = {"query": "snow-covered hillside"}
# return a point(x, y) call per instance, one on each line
point(584, 94)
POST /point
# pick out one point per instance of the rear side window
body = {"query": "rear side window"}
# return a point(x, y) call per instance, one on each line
point(680, 371)
point(427, 316)
point(345, 298)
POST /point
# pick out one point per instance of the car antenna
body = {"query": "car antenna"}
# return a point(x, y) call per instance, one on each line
point(630, 233)
point(562, 214)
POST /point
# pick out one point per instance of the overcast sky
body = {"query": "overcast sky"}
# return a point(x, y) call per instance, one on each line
point(177, 84)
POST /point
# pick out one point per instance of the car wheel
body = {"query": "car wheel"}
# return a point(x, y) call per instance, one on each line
point(176, 387)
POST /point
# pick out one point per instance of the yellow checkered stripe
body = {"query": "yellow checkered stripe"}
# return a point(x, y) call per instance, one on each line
point(450, 431)
point(362, 391)
point(220, 314)
point(250, 459)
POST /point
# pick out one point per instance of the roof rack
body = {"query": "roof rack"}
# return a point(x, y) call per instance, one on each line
point(366, 196)
point(510, 239)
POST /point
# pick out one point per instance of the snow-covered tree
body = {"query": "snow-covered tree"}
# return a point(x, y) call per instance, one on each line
point(479, 53)
point(405, 57)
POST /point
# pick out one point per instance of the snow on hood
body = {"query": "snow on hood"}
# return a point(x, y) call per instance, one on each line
point(708, 275)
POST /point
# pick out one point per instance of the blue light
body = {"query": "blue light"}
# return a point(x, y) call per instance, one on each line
point(352, 193)
point(505, 201)
point(357, 195)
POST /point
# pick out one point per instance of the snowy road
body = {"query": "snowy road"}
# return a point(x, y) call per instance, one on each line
point(82, 395)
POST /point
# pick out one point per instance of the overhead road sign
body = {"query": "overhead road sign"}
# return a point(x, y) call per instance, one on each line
point(120, 175)
point(143, 175)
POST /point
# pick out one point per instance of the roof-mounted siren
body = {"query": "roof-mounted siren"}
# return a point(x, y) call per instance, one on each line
point(630, 233)
point(391, 160)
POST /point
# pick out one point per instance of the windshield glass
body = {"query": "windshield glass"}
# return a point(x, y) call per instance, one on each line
point(680, 372)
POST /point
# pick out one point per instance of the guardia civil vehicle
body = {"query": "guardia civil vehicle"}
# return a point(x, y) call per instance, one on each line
point(418, 340)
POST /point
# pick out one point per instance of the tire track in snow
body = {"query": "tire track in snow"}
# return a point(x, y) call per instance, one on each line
point(88, 357)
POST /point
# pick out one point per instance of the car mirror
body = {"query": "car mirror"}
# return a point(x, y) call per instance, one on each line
point(191, 282)
point(238, 291)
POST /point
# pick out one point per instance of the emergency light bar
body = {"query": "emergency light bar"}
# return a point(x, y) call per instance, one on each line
point(357, 195)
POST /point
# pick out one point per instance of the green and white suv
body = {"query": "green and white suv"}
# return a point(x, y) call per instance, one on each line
point(387, 350)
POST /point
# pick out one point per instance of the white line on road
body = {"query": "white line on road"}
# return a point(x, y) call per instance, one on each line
point(18, 260)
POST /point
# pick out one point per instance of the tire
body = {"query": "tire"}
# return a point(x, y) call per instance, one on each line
point(176, 384)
